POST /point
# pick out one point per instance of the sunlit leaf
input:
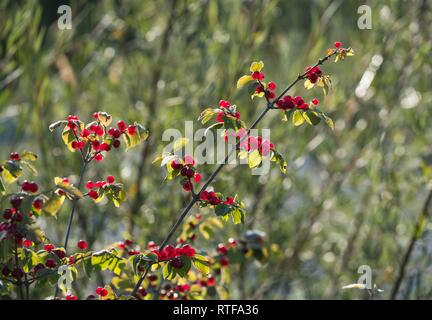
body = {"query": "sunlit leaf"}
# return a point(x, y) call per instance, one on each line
point(254, 159)
point(297, 118)
point(243, 80)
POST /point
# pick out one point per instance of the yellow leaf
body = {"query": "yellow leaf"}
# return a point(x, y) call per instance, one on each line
point(330, 123)
point(254, 159)
point(350, 52)
point(308, 85)
point(243, 80)
point(257, 94)
point(256, 66)
point(298, 118)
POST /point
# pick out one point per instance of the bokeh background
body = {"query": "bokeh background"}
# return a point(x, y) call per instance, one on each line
point(350, 198)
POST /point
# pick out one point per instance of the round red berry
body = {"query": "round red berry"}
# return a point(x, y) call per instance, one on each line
point(187, 186)
point(93, 194)
point(50, 263)
point(338, 44)
point(110, 179)
point(49, 247)
point(121, 125)
point(98, 157)
point(101, 291)
point(71, 297)
point(116, 143)
point(315, 101)
point(14, 156)
point(131, 130)
point(90, 184)
point(82, 244)
point(272, 86)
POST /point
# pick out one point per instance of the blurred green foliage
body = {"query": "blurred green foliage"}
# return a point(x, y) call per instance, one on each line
point(350, 198)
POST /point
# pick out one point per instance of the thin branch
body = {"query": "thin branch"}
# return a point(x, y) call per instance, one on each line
point(424, 214)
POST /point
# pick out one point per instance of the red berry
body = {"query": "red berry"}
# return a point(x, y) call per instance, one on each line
point(187, 186)
point(224, 262)
point(101, 291)
point(220, 117)
point(99, 131)
point(183, 171)
point(59, 253)
point(116, 143)
point(142, 291)
point(74, 145)
point(116, 134)
point(131, 130)
point(5, 271)
point(17, 273)
point(93, 194)
point(151, 245)
point(110, 179)
point(121, 125)
point(17, 217)
point(50, 263)
point(111, 131)
point(14, 156)
point(16, 201)
point(96, 145)
point(190, 173)
point(8, 213)
point(33, 187)
point(315, 101)
point(176, 165)
point(222, 249)
point(197, 178)
point(85, 133)
point(105, 147)
point(211, 281)
point(272, 86)
point(49, 247)
point(95, 115)
point(27, 243)
point(224, 104)
point(82, 244)
point(90, 184)
point(338, 44)
point(98, 157)
point(71, 297)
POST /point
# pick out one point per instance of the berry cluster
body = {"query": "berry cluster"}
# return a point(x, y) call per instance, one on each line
point(226, 110)
point(289, 103)
point(213, 198)
point(91, 186)
point(252, 143)
point(313, 73)
point(171, 253)
point(261, 90)
point(31, 187)
point(186, 168)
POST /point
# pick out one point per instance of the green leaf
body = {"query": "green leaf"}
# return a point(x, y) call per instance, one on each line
point(2, 187)
point(312, 117)
point(237, 216)
point(108, 259)
point(297, 118)
point(186, 266)
point(115, 193)
point(201, 263)
point(57, 124)
point(254, 159)
point(53, 204)
point(222, 209)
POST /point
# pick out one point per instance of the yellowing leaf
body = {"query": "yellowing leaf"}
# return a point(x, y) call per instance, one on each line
point(53, 204)
point(257, 94)
point(104, 118)
point(298, 118)
point(256, 66)
point(29, 156)
point(243, 80)
point(330, 123)
point(254, 159)
point(350, 52)
point(68, 187)
point(308, 85)
point(180, 143)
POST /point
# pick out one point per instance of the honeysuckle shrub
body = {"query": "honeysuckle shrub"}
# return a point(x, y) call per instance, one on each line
point(178, 269)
